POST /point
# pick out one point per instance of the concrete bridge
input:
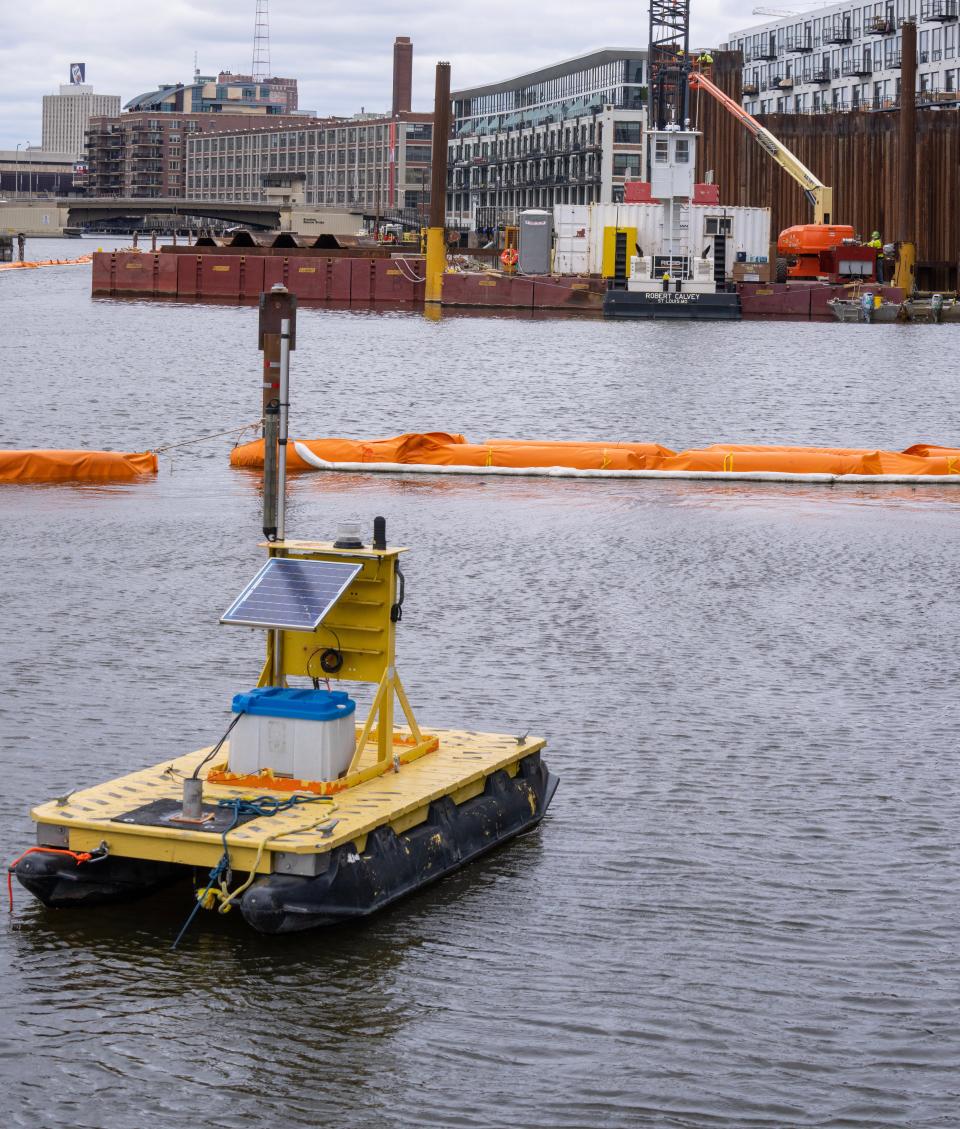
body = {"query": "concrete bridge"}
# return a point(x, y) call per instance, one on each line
point(40, 217)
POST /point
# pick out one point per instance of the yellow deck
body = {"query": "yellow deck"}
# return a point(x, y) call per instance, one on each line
point(458, 768)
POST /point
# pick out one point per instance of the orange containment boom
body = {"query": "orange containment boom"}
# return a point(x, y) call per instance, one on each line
point(47, 263)
point(443, 453)
point(74, 466)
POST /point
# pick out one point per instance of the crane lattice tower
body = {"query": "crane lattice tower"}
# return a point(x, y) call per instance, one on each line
point(261, 42)
point(668, 62)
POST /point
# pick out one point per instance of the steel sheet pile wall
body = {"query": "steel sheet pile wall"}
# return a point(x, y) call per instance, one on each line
point(857, 154)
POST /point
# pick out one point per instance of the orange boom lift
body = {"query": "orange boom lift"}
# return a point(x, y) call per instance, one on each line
point(811, 250)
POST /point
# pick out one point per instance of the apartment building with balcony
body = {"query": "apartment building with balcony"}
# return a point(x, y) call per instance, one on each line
point(144, 153)
point(570, 133)
point(846, 57)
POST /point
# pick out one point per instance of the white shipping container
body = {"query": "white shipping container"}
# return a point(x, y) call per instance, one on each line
point(579, 248)
point(571, 224)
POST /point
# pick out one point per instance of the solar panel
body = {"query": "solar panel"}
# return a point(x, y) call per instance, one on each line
point(291, 594)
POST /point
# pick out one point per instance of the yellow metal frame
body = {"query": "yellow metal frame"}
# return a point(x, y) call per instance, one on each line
point(361, 627)
point(905, 271)
point(608, 266)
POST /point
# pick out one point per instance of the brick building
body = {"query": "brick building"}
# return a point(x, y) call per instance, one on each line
point(144, 153)
point(374, 163)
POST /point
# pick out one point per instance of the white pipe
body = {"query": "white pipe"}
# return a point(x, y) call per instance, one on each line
point(284, 415)
point(570, 472)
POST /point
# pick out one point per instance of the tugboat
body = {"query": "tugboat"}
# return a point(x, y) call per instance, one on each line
point(325, 819)
point(670, 279)
point(677, 272)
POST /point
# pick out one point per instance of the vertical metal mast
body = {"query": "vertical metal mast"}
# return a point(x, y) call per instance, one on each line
point(668, 62)
point(261, 43)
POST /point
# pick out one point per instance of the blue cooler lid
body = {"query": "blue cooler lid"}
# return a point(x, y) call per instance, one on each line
point(307, 705)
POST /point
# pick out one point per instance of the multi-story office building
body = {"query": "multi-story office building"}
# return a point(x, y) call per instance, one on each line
point(66, 115)
point(847, 57)
point(570, 133)
point(145, 153)
point(225, 93)
point(370, 163)
point(373, 163)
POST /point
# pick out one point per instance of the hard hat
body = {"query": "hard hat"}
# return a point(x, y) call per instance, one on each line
point(876, 235)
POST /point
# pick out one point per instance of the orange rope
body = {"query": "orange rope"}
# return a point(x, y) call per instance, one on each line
point(77, 856)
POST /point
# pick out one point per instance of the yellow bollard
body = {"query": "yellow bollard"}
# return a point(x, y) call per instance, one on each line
point(435, 265)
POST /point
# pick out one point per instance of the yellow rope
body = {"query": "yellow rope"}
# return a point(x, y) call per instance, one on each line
point(223, 894)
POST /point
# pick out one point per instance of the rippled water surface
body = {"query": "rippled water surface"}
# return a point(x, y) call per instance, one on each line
point(742, 908)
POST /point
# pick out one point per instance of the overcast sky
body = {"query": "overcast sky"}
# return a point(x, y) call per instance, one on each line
point(341, 53)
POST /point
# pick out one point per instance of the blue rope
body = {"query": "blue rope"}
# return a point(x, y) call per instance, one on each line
point(261, 807)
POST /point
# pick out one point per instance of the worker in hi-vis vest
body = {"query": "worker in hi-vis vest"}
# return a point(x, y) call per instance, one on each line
point(877, 244)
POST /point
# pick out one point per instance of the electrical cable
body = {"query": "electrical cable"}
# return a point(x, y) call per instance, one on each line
point(407, 270)
point(77, 856)
point(216, 748)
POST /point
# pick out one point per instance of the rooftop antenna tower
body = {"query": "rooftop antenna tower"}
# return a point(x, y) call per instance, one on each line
point(261, 43)
point(669, 62)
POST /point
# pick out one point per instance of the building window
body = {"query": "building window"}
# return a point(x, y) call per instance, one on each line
point(683, 151)
point(624, 163)
point(626, 133)
point(718, 225)
point(661, 151)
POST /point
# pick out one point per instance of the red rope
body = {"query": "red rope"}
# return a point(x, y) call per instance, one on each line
point(77, 856)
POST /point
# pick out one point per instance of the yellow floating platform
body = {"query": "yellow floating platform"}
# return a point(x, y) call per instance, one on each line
point(302, 814)
point(401, 800)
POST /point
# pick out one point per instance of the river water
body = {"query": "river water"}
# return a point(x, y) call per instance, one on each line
point(742, 908)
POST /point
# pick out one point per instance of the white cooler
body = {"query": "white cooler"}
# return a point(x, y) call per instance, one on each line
point(304, 734)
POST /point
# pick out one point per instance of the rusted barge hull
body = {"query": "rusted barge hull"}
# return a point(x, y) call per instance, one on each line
point(211, 274)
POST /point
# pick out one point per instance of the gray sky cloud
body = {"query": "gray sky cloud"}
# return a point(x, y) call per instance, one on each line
point(340, 53)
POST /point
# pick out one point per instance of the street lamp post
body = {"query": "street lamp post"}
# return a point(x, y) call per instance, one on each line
point(16, 171)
